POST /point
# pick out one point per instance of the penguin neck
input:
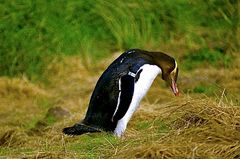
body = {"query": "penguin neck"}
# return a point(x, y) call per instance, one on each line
point(165, 62)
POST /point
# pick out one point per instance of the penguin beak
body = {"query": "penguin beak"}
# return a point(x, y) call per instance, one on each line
point(174, 88)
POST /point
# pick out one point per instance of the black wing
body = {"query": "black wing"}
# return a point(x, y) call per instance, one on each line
point(127, 89)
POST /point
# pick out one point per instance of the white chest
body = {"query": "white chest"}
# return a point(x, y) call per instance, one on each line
point(147, 76)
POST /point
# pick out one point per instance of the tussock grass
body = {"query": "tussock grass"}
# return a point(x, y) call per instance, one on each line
point(199, 128)
point(196, 128)
point(20, 100)
point(20, 87)
point(33, 33)
point(191, 126)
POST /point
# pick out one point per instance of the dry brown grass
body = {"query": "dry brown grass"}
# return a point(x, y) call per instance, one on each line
point(199, 128)
point(191, 126)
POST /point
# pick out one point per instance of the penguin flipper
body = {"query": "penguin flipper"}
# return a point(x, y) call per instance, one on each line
point(127, 89)
point(79, 129)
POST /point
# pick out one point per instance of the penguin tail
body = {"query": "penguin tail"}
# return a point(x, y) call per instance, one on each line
point(79, 129)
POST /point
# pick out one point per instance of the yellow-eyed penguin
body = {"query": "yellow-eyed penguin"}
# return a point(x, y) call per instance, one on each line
point(120, 89)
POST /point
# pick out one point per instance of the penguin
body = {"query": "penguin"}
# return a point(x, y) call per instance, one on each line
point(120, 89)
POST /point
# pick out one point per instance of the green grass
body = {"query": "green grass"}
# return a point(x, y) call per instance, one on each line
point(34, 32)
point(91, 146)
point(157, 126)
point(143, 125)
point(206, 89)
point(205, 57)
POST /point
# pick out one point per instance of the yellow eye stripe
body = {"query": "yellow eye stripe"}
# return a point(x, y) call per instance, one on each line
point(175, 69)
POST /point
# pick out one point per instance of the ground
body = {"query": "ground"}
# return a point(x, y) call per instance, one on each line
point(203, 122)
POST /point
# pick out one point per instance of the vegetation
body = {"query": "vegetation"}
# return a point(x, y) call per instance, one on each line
point(206, 56)
point(53, 52)
point(33, 32)
point(192, 125)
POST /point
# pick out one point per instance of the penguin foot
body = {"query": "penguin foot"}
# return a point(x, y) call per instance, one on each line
point(71, 131)
point(79, 129)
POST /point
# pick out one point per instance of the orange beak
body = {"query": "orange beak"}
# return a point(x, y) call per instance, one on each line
point(174, 88)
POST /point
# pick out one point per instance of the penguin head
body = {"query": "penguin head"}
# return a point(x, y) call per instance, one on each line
point(169, 69)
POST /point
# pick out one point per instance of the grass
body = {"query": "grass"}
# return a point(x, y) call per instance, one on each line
point(34, 33)
point(198, 130)
point(196, 125)
point(52, 54)
point(206, 57)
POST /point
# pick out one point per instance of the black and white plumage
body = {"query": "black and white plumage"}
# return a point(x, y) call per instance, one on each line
point(120, 89)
